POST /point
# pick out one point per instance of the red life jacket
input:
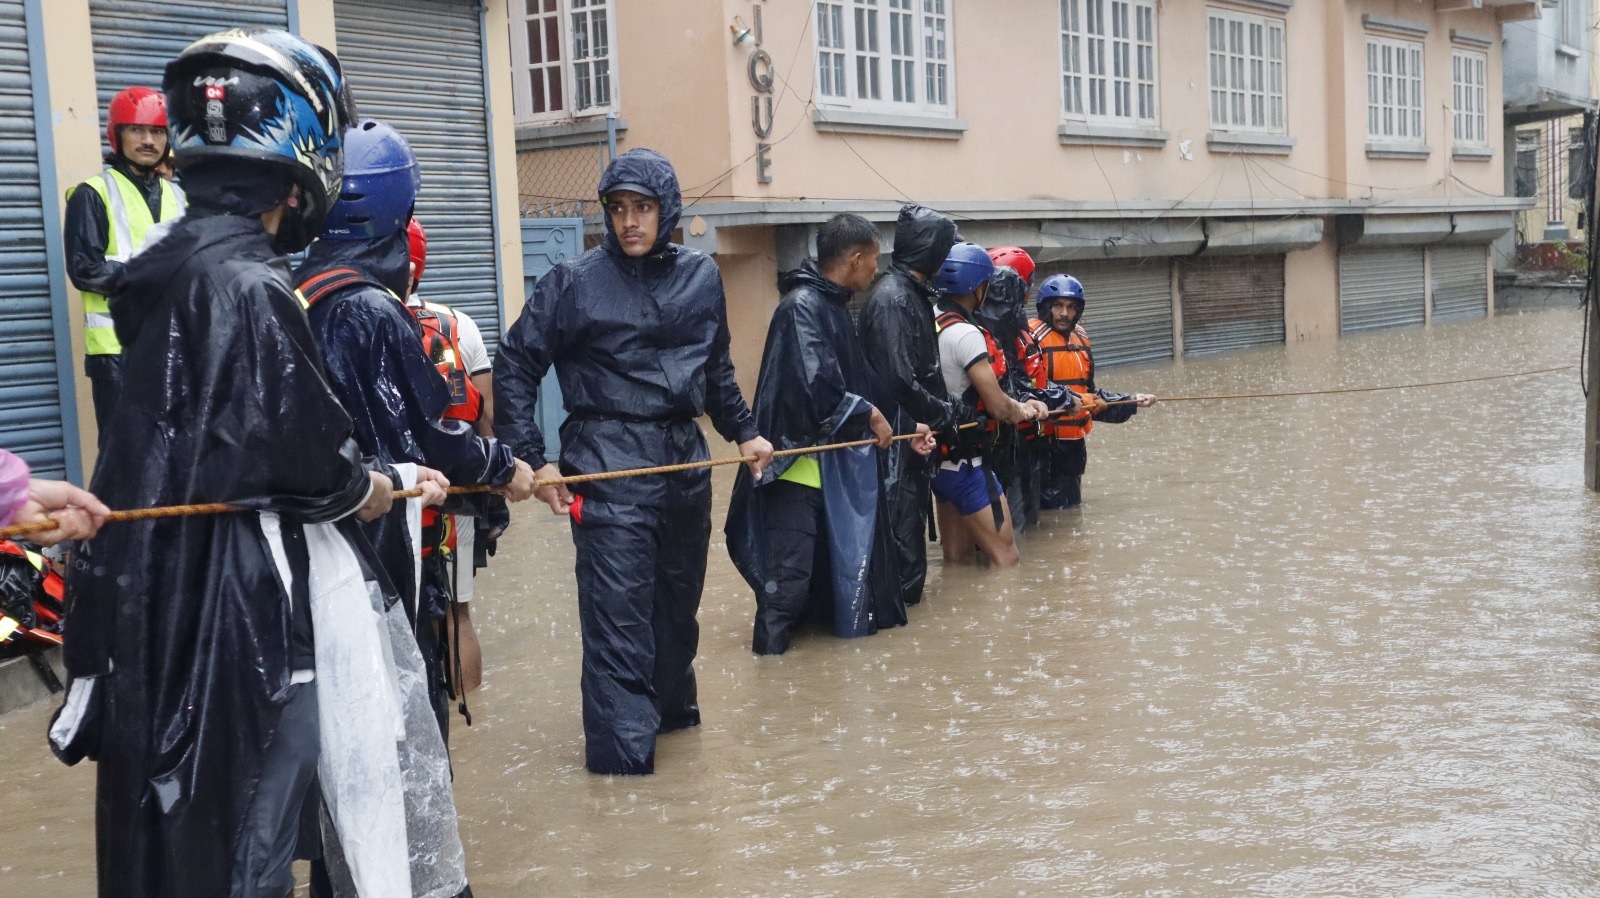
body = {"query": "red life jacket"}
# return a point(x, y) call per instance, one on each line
point(441, 340)
point(1033, 370)
point(1069, 362)
point(47, 602)
point(969, 443)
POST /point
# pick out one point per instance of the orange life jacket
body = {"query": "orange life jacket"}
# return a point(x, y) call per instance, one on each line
point(1033, 371)
point(1068, 362)
point(441, 340)
point(969, 443)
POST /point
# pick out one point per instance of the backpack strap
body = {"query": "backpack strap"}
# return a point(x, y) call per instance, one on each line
point(318, 286)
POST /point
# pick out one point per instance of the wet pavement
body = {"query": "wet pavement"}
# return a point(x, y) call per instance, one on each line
point(1333, 645)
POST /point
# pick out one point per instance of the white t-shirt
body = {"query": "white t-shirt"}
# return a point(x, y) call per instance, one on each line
point(960, 346)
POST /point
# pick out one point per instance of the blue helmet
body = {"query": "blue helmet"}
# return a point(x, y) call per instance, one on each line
point(1057, 286)
point(967, 266)
point(266, 97)
point(381, 179)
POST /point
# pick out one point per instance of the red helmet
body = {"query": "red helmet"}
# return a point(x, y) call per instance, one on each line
point(418, 238)
point(1016, 258)
point(135, 106)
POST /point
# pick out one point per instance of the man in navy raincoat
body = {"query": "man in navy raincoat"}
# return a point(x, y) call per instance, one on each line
point(802, 535)
point(637, 332)
point(353, 278)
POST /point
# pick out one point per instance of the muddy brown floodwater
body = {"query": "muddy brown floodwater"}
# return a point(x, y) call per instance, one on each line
point(1334, 645)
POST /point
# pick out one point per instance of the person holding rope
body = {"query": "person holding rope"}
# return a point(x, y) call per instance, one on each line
point(454, 344)
point(352, 281)
point(201, 663)
point(1020, 452)
point(802, 535)
point(973, 513)
point(637, 331)
point(898, 340)
point(1069, 361)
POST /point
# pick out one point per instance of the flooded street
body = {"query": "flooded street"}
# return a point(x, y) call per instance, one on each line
point(1329, 645)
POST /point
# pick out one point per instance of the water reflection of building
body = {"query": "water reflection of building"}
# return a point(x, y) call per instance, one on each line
point(1219, 175)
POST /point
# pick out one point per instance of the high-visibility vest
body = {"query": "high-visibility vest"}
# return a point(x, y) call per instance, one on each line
point(969, 444)
point(128, 217)
point(1068, 362)
point(441, 339)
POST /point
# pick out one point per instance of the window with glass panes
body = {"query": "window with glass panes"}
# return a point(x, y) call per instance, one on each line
point(885, 55)
point(1394, 90)
point(562, 58)
point(1469, 96)
point(1245, 56)
point(1108, 60)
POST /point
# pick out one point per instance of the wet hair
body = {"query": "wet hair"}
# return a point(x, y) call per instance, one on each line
point(841, 234)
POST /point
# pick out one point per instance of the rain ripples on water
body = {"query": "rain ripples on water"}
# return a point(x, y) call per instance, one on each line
point(1331, 645)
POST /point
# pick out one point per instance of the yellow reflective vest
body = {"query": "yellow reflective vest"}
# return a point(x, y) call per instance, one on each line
point(129, 222)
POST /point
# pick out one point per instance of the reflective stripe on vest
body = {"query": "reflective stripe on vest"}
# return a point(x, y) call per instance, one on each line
point(128, 222)
point(1068, 362)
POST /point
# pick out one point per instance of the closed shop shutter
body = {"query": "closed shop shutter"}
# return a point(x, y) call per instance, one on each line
point(1231, 302)
point(1380, 288)
point(418, 65)
point(1127, 309)
point(30, 398)
point(135, 39)
point(1460, 277)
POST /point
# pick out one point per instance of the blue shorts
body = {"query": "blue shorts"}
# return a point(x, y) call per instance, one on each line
point(967, 487)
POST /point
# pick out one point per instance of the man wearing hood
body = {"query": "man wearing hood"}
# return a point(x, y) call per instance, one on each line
point(195, 679)
point(352, 281)
point(108, 218)
point(897, 337)
point(637, 331)
point(802, 534)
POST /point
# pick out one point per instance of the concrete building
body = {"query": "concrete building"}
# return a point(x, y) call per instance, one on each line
point(421, 64)
point(1551, 86)
point(1219, 174)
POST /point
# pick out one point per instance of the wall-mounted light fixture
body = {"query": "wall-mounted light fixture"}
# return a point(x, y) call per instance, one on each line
point(741, 31)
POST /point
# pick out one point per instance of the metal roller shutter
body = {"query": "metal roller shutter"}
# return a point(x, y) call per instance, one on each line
point(1460, 277)
point(1127, 310)
point(418, 65)
point(1380, 288)
point(30, 396)
point(1231, 302)
point(135, 39)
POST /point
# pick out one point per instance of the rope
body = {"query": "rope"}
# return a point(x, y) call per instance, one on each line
point(176, 511)
point(1432, 383)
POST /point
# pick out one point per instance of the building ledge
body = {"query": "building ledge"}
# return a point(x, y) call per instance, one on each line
point(1472, 154)
point(1568, 51)
point(1471, 39)
point(847, 121)
point(1382, 149)
point(1094, 133)
point(1278, 6)
point(1395, 26)
point(581, 132)
point(1249, 142)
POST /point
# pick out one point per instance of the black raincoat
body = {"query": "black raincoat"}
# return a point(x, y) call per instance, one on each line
point(812, 391)
point(181, 619)
point(640, 348)
point(902, 350)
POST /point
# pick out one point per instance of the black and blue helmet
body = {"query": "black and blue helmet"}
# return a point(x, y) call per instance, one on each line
point(381, 180)
point(263, 96)
point(1055, 288)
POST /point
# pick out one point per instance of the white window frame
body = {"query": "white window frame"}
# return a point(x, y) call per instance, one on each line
point(1469, 98)
point(885, 56)
point(1395, 91)
point(1108, 62)
point(579, 77)
point(1570, 24)
point(1245, 72)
